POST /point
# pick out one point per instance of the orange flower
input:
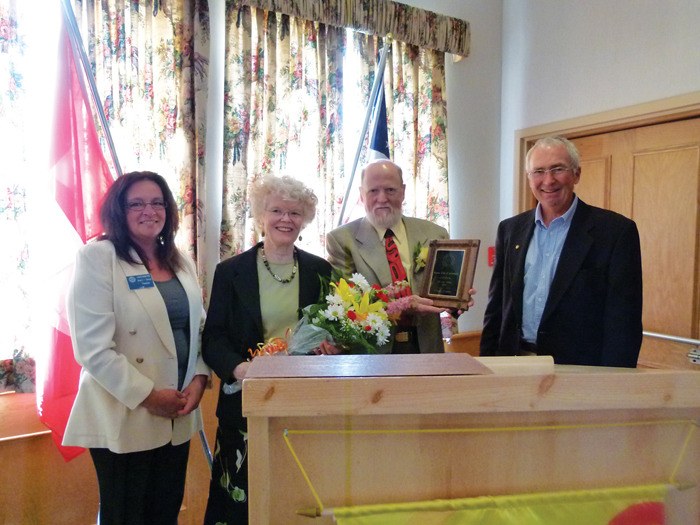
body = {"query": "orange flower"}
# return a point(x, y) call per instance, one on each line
point(276, 345)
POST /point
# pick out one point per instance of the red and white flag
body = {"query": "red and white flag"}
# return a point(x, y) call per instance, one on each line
point(80, 176)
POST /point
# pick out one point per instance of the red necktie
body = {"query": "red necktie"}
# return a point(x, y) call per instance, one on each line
point(398, 272)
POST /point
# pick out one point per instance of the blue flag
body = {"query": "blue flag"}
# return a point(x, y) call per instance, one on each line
point(379, 139)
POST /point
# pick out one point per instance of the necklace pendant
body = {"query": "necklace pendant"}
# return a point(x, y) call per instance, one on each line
point(274, 275)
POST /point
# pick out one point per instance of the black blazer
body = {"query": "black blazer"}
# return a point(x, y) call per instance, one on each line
point(234, 322)
point(593, 315)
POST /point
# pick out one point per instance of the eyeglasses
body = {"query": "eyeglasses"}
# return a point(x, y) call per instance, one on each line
point(278, 213)
point(140, 205)
point(555, 171)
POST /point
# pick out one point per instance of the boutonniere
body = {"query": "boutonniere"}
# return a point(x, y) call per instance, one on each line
point(420, 257)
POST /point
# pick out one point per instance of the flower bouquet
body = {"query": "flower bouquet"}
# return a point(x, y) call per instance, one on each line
point(354, 316)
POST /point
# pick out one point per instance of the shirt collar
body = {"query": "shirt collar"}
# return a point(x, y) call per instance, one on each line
point(399, 230)
point(566, 217)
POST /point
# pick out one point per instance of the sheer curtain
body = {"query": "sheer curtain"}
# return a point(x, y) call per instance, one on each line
point(17, 371)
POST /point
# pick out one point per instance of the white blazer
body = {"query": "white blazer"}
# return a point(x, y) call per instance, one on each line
point(123, 340)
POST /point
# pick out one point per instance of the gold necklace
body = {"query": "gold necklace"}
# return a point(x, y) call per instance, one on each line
point(277, 277)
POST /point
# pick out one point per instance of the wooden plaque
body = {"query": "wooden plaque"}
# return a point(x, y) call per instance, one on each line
point(450, 272)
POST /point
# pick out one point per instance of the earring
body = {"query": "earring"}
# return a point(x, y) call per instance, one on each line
point(161, 241)
point(300, 238)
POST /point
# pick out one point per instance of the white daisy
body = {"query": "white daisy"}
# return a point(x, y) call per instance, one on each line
point(382, 335)
point(334, 312)
point(360, 282)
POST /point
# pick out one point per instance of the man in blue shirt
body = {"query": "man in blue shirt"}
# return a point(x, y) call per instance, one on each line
point(568, 276)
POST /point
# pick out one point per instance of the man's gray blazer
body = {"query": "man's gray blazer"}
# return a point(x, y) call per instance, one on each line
point(356, 247)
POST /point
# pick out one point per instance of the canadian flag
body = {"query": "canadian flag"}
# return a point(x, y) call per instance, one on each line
point(80, 177)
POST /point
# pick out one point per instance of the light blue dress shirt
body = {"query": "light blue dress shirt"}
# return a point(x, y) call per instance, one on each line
point(540, 265)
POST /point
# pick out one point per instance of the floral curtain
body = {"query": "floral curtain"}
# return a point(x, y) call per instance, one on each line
point(283, 89)
point(284, 115)
point(17, 371)
point(414, 83)
point(150, 61)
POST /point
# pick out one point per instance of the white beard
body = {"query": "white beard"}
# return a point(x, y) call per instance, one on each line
point(386, 221)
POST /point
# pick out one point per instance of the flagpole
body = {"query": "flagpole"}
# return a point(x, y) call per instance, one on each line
point(370, 106)
point(77, 43)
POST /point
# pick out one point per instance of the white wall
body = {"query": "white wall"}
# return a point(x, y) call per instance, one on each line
point(473, 107)
point(568, 58)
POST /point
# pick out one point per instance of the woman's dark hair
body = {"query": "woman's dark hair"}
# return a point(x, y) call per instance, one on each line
point(113, 216)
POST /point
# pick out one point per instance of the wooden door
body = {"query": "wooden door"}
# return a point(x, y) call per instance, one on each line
point(652, 175)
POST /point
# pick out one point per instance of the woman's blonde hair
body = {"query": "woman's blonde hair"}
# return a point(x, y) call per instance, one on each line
point(286, 187)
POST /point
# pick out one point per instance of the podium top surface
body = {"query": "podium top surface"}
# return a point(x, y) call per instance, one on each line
point(366, 366)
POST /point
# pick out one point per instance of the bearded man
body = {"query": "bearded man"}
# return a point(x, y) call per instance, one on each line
point(382, 246)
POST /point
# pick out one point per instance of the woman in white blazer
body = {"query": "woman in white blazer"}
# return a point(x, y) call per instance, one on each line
point(135, 312)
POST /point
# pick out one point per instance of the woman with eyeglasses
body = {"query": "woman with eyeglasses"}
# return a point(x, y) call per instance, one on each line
point(256, 296)
point(135, 311)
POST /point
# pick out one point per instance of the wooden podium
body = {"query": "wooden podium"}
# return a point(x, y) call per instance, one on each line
point(329, 431)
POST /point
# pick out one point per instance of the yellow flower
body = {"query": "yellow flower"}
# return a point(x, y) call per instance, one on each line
point(344, 290)
point(364, 308)
point(420, 257)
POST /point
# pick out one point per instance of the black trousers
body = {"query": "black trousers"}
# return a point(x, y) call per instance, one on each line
point(141, 488)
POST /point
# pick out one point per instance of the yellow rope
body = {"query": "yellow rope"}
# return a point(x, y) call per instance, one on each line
point(686, 443)
point(317, 512)
point(303, 471)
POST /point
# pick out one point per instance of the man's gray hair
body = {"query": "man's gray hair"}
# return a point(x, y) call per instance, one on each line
point(554, 141)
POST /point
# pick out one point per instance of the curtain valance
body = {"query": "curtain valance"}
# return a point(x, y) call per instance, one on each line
point(381, 17)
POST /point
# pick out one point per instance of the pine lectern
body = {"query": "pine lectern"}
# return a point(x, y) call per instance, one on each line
point(338, 431)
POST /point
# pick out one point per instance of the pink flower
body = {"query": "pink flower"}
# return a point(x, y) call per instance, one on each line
point(396, 307)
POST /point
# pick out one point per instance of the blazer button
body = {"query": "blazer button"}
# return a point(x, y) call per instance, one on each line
point(132, 331)
point(139, 360)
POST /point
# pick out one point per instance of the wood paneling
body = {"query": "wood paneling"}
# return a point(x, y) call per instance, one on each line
point(464, 342)
point(652, 175)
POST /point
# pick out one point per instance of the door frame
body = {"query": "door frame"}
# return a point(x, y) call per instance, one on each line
point(656, 112)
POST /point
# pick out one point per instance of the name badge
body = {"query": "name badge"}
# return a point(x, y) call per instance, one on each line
point(136, 282)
